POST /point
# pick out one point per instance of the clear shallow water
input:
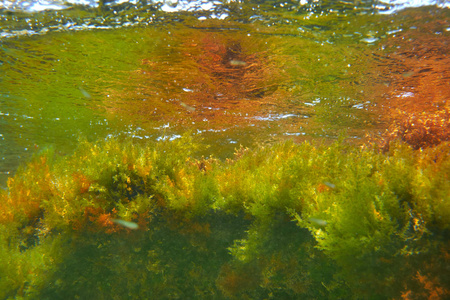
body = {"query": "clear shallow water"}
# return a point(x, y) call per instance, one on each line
point(231, 73)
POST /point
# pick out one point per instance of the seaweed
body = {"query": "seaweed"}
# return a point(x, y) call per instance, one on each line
point(282, 221)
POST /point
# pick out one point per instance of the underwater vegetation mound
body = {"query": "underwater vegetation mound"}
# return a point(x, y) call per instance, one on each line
point(122, 220)
point(421, 130)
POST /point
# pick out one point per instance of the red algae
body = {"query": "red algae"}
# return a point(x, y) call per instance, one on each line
point(427, 283)
point(416, 102)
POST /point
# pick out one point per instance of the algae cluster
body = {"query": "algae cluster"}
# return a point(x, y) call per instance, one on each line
point(288, 221)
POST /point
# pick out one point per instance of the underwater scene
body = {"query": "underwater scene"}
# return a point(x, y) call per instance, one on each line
point(191, 149)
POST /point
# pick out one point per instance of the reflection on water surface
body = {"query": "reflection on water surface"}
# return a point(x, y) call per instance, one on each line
point(261, 73)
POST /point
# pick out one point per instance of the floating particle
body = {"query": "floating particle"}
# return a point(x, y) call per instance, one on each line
point(126, 224)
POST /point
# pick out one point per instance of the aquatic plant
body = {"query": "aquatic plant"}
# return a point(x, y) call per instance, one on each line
point(420, 130)
point(284, 221)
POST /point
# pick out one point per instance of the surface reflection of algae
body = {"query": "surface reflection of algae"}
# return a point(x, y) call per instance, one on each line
point(206, 75)
point(234, 79)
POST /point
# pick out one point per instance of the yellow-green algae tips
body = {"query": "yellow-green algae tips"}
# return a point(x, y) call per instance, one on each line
point(265, 223)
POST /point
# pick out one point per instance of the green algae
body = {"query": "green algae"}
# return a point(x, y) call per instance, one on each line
point(241, 228)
